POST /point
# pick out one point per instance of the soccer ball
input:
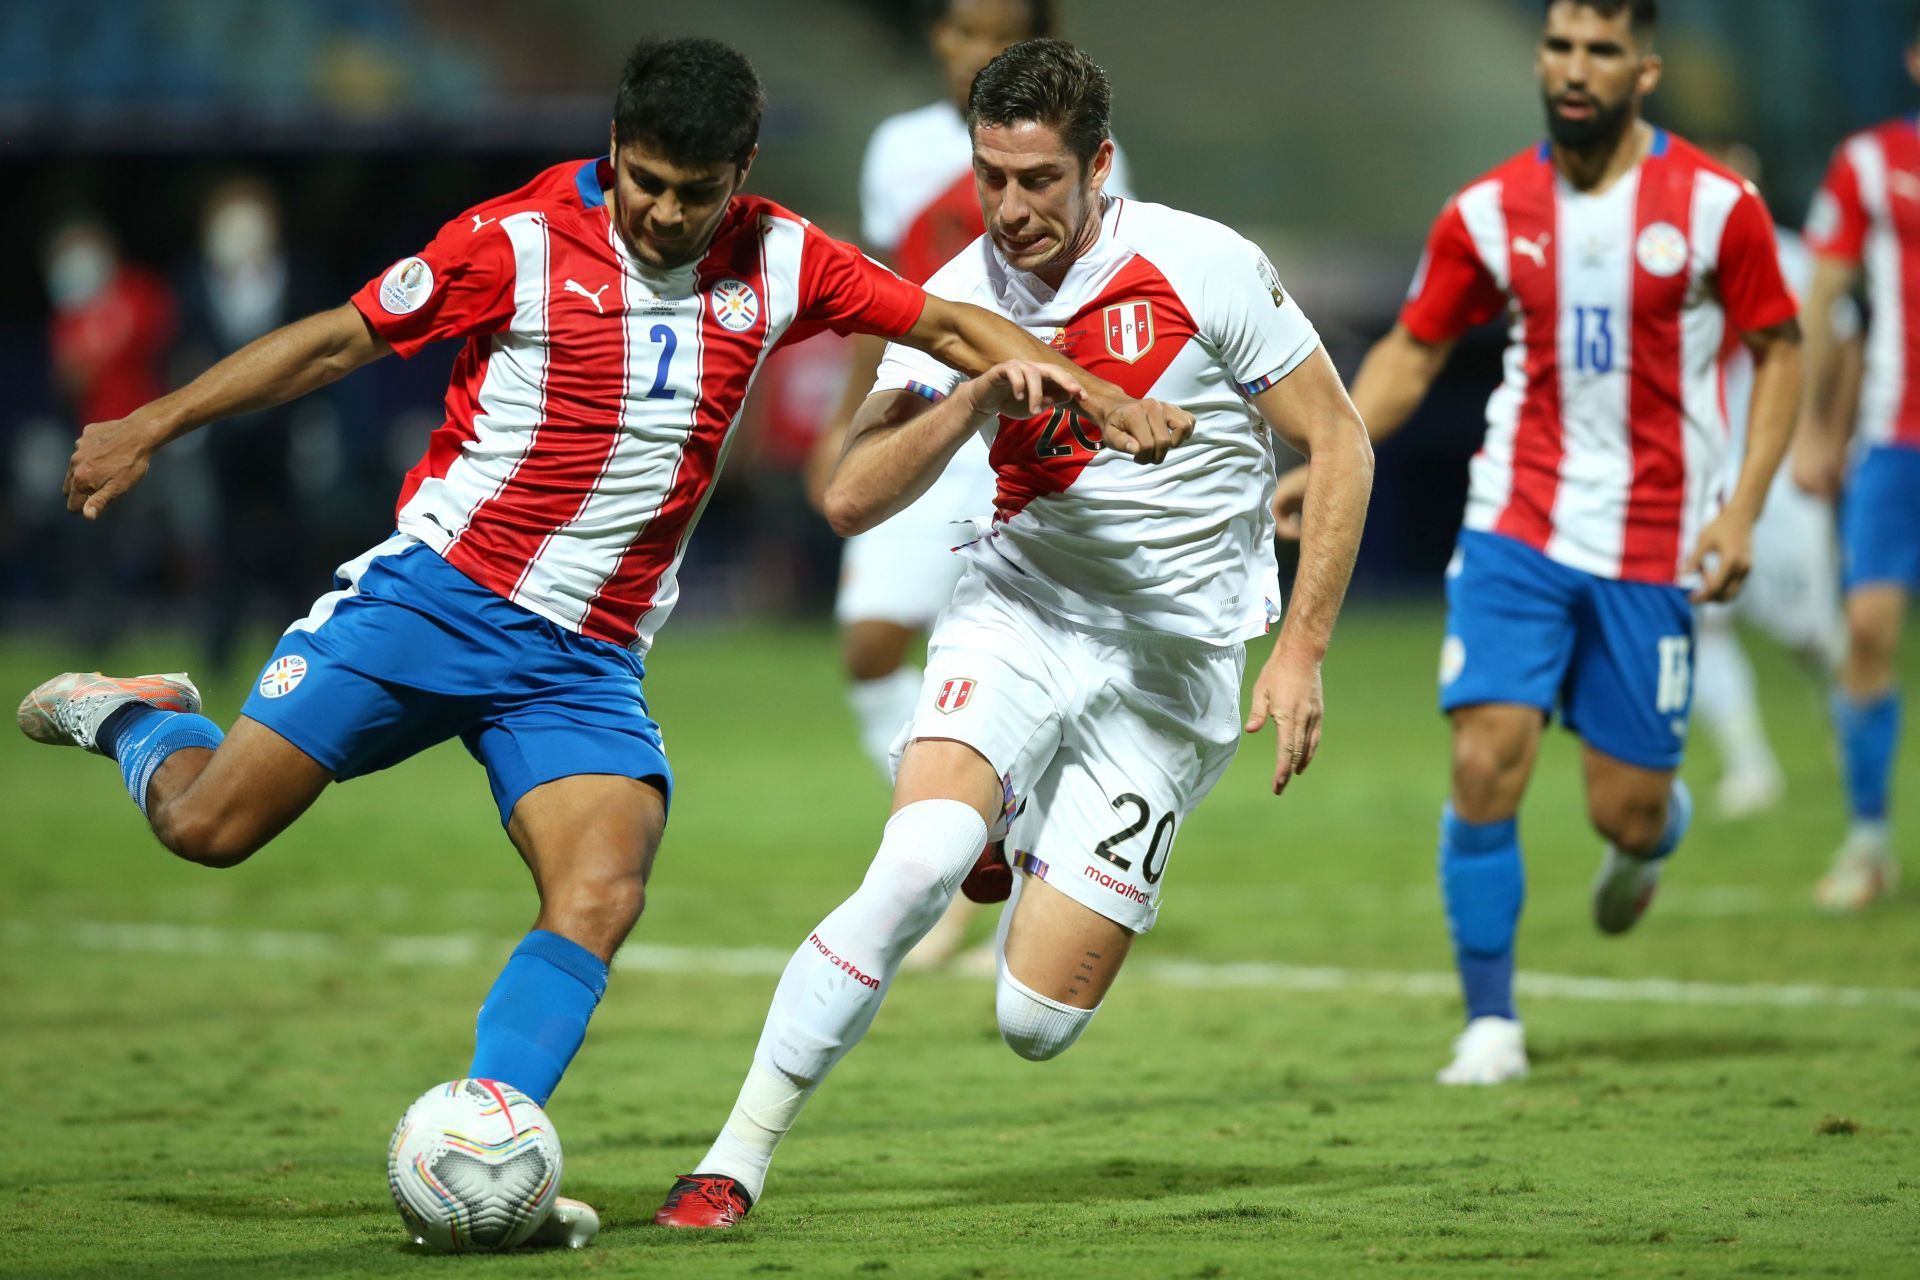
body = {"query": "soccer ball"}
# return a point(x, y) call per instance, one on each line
point(474, 1165)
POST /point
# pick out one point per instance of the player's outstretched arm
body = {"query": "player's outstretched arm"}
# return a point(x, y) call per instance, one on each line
point(283, 365)
point(1309, 409)
point(1820, 445)
point(898, 444)
point(973, 340)
point(1394, 378)
point(1724, 555)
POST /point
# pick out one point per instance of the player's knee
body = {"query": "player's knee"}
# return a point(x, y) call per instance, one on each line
point(597, 910)
point(1033, 1026)
point(1484, 773)
point(208, 836)
point(1634, 822)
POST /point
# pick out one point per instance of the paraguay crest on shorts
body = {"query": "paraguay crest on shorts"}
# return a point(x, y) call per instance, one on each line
point(1129, 329)
point(954, 694)
point(282, 676)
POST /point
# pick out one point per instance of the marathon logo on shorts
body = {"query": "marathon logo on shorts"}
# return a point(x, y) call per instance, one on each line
point(844, 966)
point(1129, 329)
point(1131, 892)
point(283, 676)
point(954, 694)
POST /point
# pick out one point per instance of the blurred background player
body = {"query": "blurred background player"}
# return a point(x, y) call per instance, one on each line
point(918, 209)
point(1864, 217)
point(1793, 594)
point(1625, 258)
point(1082, 693)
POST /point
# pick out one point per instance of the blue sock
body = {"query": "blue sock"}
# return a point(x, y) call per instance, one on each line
point(1483, 883)
point(1679, 818)
point(1869, 734)
point(536, 1014)
point(140, 738)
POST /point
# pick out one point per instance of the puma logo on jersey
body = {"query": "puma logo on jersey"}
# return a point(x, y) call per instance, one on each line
point(574, 286)
point(1535, 249)
point(479, 222)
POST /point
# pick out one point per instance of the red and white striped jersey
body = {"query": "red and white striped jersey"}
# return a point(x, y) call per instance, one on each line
point(1606, 439)
point(1868, 212)
point(594, 401)
point(1168, 305)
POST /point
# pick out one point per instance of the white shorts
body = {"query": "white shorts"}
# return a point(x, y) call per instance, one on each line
point(1104, 740)
point(1793, 593)
point(904, 571)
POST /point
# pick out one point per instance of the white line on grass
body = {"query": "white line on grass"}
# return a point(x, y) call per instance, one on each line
point(466, 949)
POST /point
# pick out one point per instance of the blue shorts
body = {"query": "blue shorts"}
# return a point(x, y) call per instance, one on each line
point(1615, 658)
point(1880, 520)
point(410, 652)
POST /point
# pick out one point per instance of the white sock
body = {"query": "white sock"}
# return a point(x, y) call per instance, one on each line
point(1726, 701)
point(883, 708)
point(834, 985)
point(1034, 1026)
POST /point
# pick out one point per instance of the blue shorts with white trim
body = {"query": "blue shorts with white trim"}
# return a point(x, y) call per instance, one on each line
point(410, 652)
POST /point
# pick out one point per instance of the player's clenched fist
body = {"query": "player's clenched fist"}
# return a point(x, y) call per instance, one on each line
point(1146, 429)
point(109, 460)
point(1021, 389)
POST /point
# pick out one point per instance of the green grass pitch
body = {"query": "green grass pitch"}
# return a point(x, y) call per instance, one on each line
point(212, 1098)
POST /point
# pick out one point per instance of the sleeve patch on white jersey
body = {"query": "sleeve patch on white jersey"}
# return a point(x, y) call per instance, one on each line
point(1271, 279)
point(406, 286)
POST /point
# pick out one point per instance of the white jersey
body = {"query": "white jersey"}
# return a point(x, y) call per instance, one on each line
point(1168, 305)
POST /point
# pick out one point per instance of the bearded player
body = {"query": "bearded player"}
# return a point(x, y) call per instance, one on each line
point(614, 312)
point(1082, 691)
point(1624, 260)
point(1864, 218)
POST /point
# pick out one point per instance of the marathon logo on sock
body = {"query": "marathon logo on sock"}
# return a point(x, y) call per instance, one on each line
point(838, 963)
point(1131, 892)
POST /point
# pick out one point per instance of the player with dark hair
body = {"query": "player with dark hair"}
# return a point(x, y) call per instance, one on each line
point(1625, 261)
point(918, 209)
point(1862, 221)
point(614, 313)
point(1082, 692)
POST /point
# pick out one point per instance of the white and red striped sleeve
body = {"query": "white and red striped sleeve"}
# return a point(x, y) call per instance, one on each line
point(1452, 290)
point(1838, 222)
point(458, 286)
point(1752, 288)
point(844, 290)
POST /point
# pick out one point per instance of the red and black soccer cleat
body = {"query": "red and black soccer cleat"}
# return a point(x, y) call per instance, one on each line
point(991, 879)
point(704, 1200)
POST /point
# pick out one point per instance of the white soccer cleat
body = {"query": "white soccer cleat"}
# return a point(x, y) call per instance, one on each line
point(1746, 793)
point(69, 709)
point(571, 1225)
point(1863, 869)
point(1489, 1051)
point(1624, 890)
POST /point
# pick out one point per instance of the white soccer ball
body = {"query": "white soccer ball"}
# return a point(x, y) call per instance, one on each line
point(474, 1165)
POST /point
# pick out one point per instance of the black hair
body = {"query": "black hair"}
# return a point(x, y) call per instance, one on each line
point(1644, 15)
point(694, 101)
point(1045, 82)
point(1043, 16)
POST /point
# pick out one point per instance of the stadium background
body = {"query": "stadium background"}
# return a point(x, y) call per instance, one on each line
point(212, 1060)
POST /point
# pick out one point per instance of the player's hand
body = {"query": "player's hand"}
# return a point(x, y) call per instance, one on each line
point(109, 459)
point(1723, 558)
point(1289, 499)
point(1146, 429)
point(1819, 462)
point(1021, 389)
point(1287, 691)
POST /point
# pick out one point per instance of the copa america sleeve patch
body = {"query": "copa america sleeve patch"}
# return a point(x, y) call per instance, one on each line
point(406, 286)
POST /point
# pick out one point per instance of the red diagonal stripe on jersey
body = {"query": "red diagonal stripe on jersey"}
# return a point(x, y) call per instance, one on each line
point(727, 363)
point(457, 431)
point(1901, 146)
point(1656, 414)
point(579, 424)
point(1023, 473)
point(1527, 198)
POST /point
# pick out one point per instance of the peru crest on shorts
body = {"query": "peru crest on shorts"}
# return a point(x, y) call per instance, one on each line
point(1129, 329)
point(954, 694)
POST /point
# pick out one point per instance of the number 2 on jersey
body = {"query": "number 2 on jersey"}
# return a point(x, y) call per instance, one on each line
point(663, 334)
point(1593, 339)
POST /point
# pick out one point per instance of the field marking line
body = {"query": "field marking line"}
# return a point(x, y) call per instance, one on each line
point(452, 950)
